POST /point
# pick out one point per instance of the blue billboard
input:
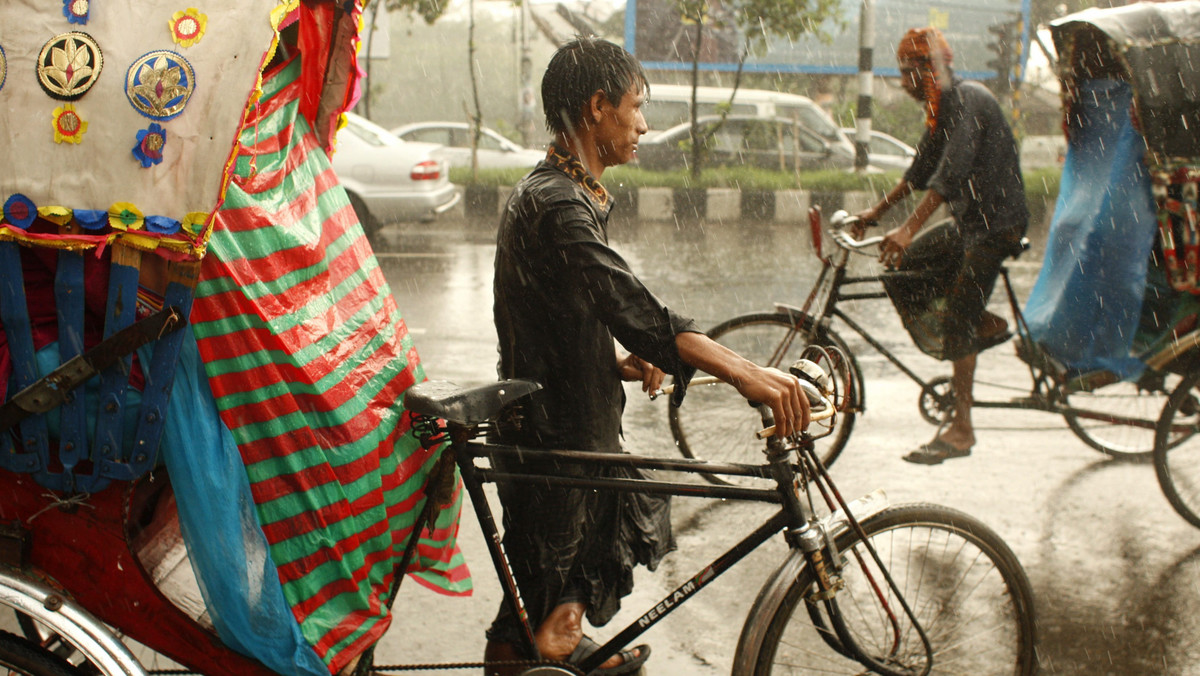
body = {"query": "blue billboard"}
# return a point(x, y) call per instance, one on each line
point(655, 33)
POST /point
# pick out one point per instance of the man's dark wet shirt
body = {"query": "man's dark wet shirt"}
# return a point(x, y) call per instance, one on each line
point(971, 160)
point(561, 295)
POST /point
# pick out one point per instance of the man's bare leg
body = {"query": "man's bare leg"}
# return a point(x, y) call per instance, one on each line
point(961, 433)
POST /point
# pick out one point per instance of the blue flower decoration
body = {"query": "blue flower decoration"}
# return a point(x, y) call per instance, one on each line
point(91, 219)
point(162, 224)
point(150, 142)
point(20, 211)
point(76, 11)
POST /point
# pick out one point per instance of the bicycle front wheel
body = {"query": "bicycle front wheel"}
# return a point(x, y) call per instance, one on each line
point(20, 657)
point(1119, 420)
point(716, 424)
point(1177, 449)
point(967, 589)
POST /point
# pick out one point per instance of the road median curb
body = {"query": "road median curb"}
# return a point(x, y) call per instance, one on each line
point(691, 204)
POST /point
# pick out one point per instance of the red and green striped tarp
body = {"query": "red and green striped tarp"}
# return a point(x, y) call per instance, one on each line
point(308, 357)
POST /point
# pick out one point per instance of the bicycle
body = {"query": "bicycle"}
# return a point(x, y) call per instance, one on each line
point(1118, 419)
point(905, 589)
point(895, 589)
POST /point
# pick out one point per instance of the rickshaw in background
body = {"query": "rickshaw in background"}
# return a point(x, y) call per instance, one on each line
point(1109, 332)
point(1157, 48)
point(201, 449)
point(1119, 293)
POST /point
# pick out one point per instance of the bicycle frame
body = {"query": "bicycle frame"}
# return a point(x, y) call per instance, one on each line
point(474, 479)
point(1046, 394)
point(795, 518)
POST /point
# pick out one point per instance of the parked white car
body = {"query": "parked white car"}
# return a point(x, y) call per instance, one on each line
point(885, 151)
point(390, 180)
point(769, 143)
point(495, 151)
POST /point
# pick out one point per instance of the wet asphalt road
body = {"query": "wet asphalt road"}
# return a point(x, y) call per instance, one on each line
point(1116, 572)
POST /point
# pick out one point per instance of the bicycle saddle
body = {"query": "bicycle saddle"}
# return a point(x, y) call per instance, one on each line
point(466, 405)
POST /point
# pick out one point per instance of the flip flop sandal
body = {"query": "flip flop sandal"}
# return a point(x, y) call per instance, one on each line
point(936, 452)
point(631, 665)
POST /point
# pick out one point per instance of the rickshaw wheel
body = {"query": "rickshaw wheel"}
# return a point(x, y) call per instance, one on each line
point(370, 224)
point(1177, 449)
point(937, 401)
point(1119, 419)
point(18, 656)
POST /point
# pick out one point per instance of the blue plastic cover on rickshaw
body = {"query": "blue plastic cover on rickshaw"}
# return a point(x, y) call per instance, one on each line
point(1127, 112)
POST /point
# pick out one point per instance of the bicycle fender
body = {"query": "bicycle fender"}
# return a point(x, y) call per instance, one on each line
point(771, 595)
point(86, 633)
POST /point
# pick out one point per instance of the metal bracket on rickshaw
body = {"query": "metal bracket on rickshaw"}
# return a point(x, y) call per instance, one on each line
point(55, 388)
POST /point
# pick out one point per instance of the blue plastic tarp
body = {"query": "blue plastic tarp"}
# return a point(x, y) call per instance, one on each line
point(1086, 304)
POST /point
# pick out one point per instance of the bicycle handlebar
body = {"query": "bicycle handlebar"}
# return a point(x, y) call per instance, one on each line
point(820, 407)
point(845, 240)
point(840, 225)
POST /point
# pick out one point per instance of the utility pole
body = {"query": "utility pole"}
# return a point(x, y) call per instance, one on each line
point(526, 101)
point(1007, 36)
point(866, 83)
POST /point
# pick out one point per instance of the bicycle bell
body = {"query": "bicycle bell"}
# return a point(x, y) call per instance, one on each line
point(811, 372)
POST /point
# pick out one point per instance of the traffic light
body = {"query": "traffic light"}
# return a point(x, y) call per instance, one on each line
point(1005, 46)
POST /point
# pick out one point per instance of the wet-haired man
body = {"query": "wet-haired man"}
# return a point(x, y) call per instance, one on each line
point(562, 295)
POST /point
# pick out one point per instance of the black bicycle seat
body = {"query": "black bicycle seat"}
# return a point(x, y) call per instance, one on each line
point(466, 405)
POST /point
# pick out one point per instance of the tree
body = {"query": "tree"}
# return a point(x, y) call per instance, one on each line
point(754, 22)
point(429, 10)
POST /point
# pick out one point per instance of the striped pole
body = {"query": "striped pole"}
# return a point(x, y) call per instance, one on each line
point(866, 49)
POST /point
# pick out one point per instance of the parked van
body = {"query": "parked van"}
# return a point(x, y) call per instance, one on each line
point(669, 106)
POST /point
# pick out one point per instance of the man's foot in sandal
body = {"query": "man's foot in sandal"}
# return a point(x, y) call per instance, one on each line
point(936, 452)
point(632, 659)
point(992, 331)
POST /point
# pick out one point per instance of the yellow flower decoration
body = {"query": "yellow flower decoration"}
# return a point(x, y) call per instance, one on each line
point(125, 216)
point(194, 222)
point(188, 26)
point(68, 125)
point(59, 215)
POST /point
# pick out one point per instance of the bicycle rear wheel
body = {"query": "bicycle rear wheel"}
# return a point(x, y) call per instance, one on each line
point(19, 657)
point(716, 424)
point(966, 587)
point(1177, 449)
point(1119, 420)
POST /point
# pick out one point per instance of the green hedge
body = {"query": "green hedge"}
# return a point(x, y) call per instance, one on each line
point(1041, 185)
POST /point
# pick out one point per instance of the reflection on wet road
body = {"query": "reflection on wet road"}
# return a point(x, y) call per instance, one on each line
point(1116, 572)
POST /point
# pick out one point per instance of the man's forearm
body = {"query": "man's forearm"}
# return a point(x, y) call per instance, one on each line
point(698, 350)
point(925, 208)
point(894, 196)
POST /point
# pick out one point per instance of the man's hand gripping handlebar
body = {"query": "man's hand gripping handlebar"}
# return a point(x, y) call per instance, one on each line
point(814, 383)
point(848, 231)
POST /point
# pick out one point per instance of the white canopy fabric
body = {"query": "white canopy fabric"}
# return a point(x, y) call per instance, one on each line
point(101, 169)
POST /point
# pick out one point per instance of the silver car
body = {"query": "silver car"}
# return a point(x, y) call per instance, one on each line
point(767, 143)
point(495, 151)
point(390, 180)
point(884, 150)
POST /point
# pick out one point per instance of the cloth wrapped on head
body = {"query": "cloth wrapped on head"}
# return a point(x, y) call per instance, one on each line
point(926, 49)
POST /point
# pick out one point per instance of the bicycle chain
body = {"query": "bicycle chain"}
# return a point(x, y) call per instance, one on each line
point(382, 669)
point(443, 666)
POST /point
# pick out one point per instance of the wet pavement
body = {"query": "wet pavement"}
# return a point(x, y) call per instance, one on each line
point(1115, 571)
